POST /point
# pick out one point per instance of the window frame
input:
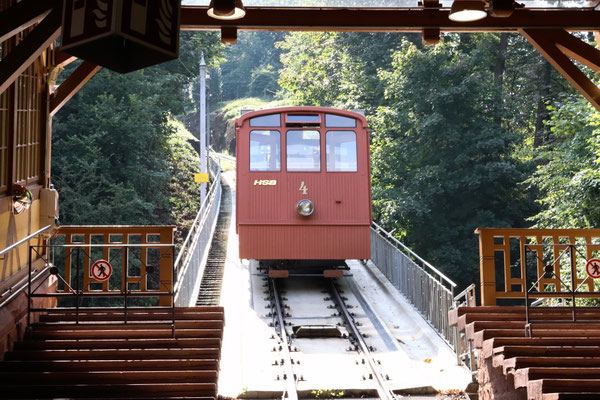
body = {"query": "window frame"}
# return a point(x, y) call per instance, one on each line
point(327, 132)
point(287, 153)
point(250, 150)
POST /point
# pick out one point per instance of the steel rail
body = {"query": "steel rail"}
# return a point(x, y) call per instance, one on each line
point(292, 391)
point(383, 390)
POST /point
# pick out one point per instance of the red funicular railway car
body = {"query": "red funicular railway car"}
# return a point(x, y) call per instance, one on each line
point(303, 187)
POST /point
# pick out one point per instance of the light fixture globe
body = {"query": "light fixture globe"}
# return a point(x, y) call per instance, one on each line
point(467, 11)
point(305, 207)
point(226, 9)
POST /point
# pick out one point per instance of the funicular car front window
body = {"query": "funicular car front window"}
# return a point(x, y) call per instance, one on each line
point(265, 151)
point(303, 150)
point(341, 151)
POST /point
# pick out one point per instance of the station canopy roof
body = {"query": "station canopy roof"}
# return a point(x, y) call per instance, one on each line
point(396, 15)
point(533, 4)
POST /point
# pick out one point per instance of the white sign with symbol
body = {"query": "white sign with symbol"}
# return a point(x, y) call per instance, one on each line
point(101, 270)
point(593, 268)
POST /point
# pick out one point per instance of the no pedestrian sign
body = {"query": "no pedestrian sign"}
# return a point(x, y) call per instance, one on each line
point(593, 268)
point(101, 270)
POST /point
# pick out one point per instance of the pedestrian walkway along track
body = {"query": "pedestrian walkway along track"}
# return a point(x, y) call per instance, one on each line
point(325, 339)
point(212, 279)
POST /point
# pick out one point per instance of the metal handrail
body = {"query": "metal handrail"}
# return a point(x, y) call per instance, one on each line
point(430, 296)
point(25, 239)
point(200, 214)
point(190, 255)
point(467, 297)
point(24, 282)
point(415, 255)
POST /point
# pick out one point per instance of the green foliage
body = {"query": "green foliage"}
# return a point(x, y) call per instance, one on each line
point(263, 81)
point(234, 108)
point(115, 160)
point(254, 54)
point(442, 166)
point(569, 179)
point(183, 193)
point(109, 152)
point(318, 70)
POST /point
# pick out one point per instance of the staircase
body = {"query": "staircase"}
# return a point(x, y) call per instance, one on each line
point(103, 357)
point(560, 361)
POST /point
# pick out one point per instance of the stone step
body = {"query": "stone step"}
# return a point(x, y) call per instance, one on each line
point(107, 377)
point(111, 365)
point(481, 336)
point(122, 354)
point(529, 361)
point(126, 334)
point(133, 326)
point(130, 391)
point(165, 343)
point(525, 375)
point(537, 388)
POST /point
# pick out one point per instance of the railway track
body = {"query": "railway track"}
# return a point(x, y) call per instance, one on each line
point(346, 328)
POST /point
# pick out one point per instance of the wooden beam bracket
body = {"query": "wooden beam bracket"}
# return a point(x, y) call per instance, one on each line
point(71, 85)
point(22, 15)
point(557, 45)
point(25, 53)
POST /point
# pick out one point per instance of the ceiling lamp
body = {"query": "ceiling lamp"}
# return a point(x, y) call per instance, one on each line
point(503, 8)
point(226, 9)
point(467, 11)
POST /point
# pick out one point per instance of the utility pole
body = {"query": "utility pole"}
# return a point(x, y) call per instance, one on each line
point(202, 137)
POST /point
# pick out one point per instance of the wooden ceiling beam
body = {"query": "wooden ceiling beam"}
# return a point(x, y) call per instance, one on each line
point(71, 85)
point(61, 58)
point(577, 49)
point(389, 20)
point(25, 53)
point(22, 15)
point(546, 42)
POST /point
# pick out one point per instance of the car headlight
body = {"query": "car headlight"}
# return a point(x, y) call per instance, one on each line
point(305, 207)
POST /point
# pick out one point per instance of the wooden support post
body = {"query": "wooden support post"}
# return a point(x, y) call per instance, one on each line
point(487, 267)
point(22, 15)
point(166, 265)
point(431, 36)
point(557, 46)
point(71, 85)
point(21, 57)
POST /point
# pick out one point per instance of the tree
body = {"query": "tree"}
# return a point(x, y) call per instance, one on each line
point(568, 179)
point(442, 165)
point(111, 142)
point(318, 70)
